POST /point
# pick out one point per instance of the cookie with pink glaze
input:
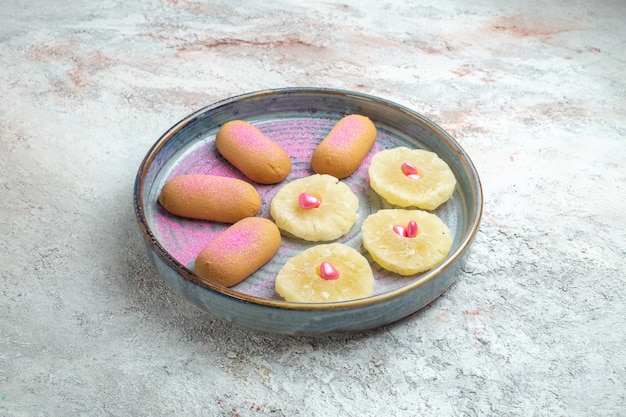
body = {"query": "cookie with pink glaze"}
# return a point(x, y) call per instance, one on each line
point(238, 251)
point(251, 152)
point(210, 197)
point(344, 148)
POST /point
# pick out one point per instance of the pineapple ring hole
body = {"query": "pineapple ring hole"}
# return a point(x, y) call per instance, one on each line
point(410, 171)
point(327, 271)
point(308, 201)
point(411, 230)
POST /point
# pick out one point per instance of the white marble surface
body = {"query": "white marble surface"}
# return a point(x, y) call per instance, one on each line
point(534, 91)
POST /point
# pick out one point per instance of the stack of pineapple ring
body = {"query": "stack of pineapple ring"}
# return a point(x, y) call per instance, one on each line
point(406, 240)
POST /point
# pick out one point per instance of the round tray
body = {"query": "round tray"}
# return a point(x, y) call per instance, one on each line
point(298, 119)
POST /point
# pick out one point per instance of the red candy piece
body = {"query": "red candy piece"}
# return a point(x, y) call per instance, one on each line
point(410, 230)
point(410, 171)
point(400, 230)
point(308, 201)
point(328, 271)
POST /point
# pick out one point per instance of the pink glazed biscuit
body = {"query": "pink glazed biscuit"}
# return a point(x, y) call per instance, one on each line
point(344, 148)
point(210, 197)
point(239, 251)
point(251, 152)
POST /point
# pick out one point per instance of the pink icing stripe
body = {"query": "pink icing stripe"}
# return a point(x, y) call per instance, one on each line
point(345, 132)
point(249, 136)
point(233, 243)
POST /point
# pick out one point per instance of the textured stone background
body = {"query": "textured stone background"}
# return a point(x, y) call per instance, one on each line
point(535, 93)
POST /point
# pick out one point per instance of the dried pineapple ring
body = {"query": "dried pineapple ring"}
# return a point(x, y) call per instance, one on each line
point(299, 279)
point(411, 178)
point(333, 217)
point(401, 254)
